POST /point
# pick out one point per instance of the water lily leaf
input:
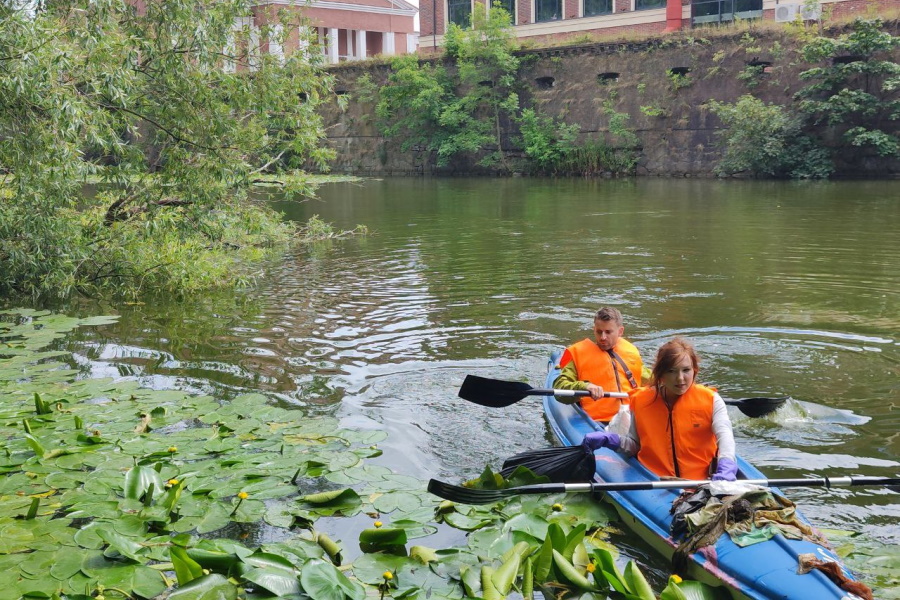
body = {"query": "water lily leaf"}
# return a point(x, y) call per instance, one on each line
point(465, 522)
point(14, 538)
point(120, 543)
point(531, 524)
point(249, 511)
point(66, 563)
point(369, 568)
point(322, 581)
point(276, 582)
point(637, 583)
point(139, 479)
point(143, 580)
point(415, 529)
point(340, 499)
point(35, 444)
point(186, 568)
point(423, 554)
point(215, 517)
point(490, 542)
point(387, 539)
point(391, 501)
point(689, 590)
point(208, 587)
point(264, 560)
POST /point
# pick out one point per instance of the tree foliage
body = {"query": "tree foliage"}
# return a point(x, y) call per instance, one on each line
point(458, 111)
point(173, 109)
point(859, 88)
point(767, 140)
point(855, 91)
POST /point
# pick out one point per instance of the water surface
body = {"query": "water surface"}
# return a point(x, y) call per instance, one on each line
point(786, 290)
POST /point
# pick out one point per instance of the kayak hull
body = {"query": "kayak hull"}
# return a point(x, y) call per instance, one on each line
point(762, 571)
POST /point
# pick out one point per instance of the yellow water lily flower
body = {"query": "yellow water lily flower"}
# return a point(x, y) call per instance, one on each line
point(378, 523)
point(557, 507)
point(387, 575)
point(243, 495)
point(675, 578)
point(173, 448)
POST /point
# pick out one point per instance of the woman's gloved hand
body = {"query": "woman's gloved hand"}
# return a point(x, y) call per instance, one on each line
point(726, 470)
point(601, 439)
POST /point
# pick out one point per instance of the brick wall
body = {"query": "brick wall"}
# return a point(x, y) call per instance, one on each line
point(524, 9)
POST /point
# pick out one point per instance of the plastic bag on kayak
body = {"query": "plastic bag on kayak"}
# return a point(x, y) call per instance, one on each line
point(568, 464)
point(620, 424)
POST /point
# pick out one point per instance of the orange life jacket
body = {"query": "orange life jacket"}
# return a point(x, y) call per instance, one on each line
point(679, 442)
point(600, 368)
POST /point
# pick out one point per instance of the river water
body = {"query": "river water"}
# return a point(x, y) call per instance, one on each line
point(785, 289)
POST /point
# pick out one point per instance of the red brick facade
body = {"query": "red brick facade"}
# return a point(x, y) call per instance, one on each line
point(623, 19)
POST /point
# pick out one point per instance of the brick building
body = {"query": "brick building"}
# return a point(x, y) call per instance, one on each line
point(555, 20)
point(345, 29)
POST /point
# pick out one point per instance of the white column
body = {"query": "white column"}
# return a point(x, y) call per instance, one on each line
point(387, 44)
point(350, 36)
point(333, 45)
point(412, 42)
point(361, 44)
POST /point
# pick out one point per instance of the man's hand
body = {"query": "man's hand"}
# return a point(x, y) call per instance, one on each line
point(595, 390)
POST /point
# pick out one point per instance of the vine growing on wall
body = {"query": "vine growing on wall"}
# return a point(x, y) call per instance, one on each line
point(852, 92)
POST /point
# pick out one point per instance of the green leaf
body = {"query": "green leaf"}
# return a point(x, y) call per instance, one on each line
point(322, 581)
point(208, 587)
point(138, 481)
point(186, 568)
point(386, 539)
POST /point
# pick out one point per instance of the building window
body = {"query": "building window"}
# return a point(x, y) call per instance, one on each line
point(597, 7)
point(547, 10)
point(460, 12)
point(509, 6)
point(724, 11)
point(644, 4)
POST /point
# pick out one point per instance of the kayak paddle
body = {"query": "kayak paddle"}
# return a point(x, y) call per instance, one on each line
point(465, 495)
point(496, 393)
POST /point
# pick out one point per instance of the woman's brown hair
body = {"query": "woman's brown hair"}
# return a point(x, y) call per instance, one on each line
point(669, 354)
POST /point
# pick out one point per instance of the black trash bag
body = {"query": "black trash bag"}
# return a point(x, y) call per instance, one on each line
point(561, 465)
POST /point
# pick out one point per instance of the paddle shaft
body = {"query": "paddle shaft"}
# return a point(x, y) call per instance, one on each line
point(465, 495)
point(827, 482)
point(572, 393)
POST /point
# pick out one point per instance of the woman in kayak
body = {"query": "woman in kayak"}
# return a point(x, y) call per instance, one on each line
point(679, 428)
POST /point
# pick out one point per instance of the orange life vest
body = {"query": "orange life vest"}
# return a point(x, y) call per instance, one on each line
point(600, 368)
point(679, 442)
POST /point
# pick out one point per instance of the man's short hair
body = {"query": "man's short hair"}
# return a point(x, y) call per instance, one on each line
point(609, 314)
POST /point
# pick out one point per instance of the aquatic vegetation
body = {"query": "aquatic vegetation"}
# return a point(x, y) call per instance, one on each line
point(114, 490)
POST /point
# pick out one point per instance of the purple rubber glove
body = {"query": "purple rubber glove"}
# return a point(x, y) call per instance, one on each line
point(601, 439)
point(726, 470)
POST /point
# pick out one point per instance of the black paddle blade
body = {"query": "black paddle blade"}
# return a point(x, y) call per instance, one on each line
point(492, 392)
point(757, 407)
point(560, 465)
point(457, 493)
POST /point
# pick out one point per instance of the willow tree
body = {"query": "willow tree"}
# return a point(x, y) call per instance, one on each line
point(172, 109)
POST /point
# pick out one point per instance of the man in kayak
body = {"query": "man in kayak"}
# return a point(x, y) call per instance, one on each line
point(679, 428)
point(607, 363)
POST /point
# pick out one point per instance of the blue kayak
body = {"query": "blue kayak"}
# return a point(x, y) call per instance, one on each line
point(762, 571)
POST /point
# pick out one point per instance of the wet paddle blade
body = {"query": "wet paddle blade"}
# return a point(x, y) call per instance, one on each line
point(492, 392)
point(757, 407)
point(569, 463)
point(457, 493)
